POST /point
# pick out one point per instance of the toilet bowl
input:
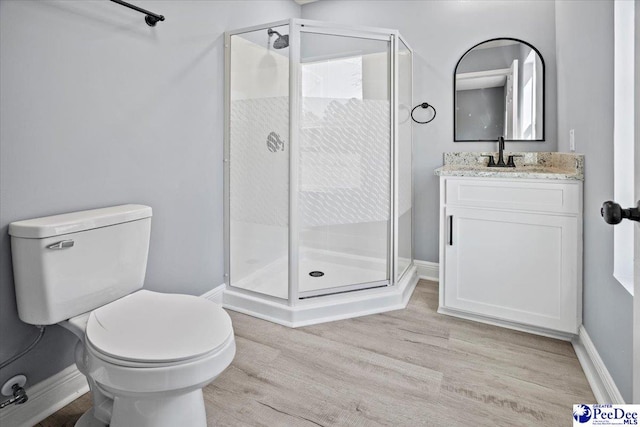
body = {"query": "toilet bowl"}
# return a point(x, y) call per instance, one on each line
point(146, 355)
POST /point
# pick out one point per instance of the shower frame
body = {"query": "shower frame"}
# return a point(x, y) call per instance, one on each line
point(304, 308)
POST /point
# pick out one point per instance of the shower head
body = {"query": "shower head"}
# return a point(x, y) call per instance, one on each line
point(281, 42)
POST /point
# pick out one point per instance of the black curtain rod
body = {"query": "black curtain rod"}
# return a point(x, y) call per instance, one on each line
point(151, 19)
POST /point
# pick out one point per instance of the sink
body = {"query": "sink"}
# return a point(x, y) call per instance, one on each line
point(542, 165)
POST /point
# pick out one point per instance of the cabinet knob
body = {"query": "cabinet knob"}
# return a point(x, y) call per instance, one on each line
point(614, 214)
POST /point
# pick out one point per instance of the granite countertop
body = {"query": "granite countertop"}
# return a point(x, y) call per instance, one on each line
point(532, 165)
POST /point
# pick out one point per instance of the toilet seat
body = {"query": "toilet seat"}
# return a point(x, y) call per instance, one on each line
point(151, 329)
point(127, 378)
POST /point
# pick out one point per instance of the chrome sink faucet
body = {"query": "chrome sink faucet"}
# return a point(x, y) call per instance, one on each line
point(501, 164)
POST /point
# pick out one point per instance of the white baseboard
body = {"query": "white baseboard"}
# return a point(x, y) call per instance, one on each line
point(428, 270)
point(215, 294)
point(602, 384)
point(45, 398)
point(564, 336)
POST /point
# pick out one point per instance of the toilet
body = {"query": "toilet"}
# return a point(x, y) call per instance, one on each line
point(146, 355)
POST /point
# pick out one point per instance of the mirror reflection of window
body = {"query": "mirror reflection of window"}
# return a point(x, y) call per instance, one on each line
point(511, 128)
point(528, 118)
point(499, 92)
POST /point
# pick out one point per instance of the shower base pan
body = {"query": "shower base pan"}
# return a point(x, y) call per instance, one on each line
point(326, 308)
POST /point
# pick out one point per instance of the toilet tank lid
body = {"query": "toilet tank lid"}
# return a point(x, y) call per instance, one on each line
point(56, 225)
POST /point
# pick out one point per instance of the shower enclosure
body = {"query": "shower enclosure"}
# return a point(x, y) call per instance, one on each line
point(318, 183)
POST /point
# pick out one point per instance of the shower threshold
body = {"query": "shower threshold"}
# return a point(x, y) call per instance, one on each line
point(323, 308)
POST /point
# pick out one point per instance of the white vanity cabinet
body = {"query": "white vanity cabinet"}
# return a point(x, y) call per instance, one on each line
point(511, 252)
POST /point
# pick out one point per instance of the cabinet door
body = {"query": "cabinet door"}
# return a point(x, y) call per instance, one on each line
point(514, 266)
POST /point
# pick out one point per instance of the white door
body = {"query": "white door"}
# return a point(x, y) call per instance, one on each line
point(626, 140)
point(613, 213)
point(636, 229)
point(636, 279)
point(636, 232)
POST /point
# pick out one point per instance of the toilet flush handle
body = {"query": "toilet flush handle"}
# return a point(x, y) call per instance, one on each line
point(63, 244)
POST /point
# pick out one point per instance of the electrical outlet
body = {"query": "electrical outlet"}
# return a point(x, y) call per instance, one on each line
point(572, 140)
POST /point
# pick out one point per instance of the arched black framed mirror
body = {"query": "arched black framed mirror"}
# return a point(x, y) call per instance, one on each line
point(498, 90)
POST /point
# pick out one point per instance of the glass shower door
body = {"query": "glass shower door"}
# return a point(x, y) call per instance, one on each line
point(344, 163)
point(258, 161)
point(404, 148)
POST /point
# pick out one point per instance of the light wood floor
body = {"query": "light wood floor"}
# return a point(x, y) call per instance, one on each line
point(409, 367)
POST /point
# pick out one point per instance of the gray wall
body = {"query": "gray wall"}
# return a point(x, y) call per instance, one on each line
point(585, 103)
point(440, 32)
point(99, 109)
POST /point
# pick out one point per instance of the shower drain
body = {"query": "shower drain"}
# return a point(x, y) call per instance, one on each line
point(316, 274)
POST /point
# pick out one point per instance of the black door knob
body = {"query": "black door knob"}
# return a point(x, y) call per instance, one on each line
point(614, 214)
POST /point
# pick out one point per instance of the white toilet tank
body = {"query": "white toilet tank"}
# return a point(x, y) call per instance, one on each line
point(66, 265)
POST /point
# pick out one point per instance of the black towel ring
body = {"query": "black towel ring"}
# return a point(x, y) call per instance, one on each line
point(424, 105)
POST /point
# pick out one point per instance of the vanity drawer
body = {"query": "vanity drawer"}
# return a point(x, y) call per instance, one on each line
point(555, 197)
